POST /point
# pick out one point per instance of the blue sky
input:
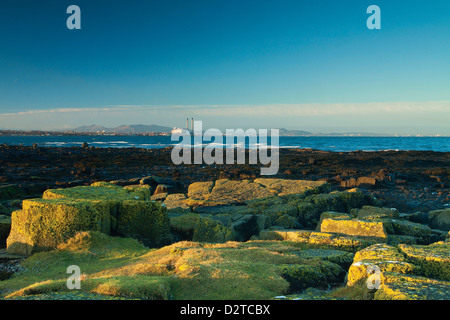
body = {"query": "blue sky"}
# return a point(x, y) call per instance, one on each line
point(310, 65)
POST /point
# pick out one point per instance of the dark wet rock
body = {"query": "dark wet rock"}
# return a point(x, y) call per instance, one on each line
point(439, 219)
point(247, 226)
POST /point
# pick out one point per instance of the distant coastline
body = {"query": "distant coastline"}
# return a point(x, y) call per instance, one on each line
point(156, 130)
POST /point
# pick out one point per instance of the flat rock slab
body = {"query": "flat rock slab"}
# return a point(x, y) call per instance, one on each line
point(433, 260)
point(354, 228)
point(225, 191)
point(379, 257)
point(409, 287)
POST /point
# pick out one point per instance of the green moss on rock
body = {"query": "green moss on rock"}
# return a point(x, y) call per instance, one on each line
point(5, 227)
point(439, 219)
point(144, 221)
point(317, 273)
point(383, 257)
point(44, 223)
point(360, 228)
point(397, 286)
point(433, 260)
point(375, 213)
point(209, 230)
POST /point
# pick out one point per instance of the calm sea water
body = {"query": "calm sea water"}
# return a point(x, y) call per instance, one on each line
point(320, 143)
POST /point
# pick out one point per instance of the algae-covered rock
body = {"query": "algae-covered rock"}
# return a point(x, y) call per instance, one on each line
point(183, 225)
point(5, 227)
point(176, 203)
point(225, 209)
point(200, 190)
point(358, 228)
point(378, 257)
point(322, 240)
point(287, 187)
point(332, 215)
point(141, 192)
point(433, 260)
point(339, 201)
point(262, 204)
point(247, 226)
point(309, 294)
point(342, 258)
point(288, 222)
point(147, 222)
point(108, 192)
point(407, 228)
point(375, 213)
point(397, 286)
point(318, 274)
point(11, 191)
point(336, 241)
point(308, 214)
point(274, 212)
point(4, 210)
point(44, 223)
point(209, 230)
point(235, 192)
point(439, 219)
point(310, 208)
point(225, 191)
point(282, 234)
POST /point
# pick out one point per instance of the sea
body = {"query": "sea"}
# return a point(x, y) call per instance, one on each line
point(325, 143)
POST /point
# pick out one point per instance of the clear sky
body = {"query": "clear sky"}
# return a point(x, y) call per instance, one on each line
point(311, 65)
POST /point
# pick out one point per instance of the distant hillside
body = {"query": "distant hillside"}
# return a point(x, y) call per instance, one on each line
point(131, 129)
point(294, 133)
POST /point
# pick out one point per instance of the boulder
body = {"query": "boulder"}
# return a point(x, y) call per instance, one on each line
point(374, 213)
point(147, 222)
point(321, 240)
point(288, 222)
point(318, 274)
point(164, 188)
point(226, 191)
point(11, 191)
point(225, 209)
point(159, 197)
point(332, 215)
point(176, 203)
point(342, 258)
point(44, 223)
point(285, 234)
point(4, 210)
point(358, 228)
point(212, 231)
point(433, 260)
point(200, 190)
point(236, 192)
point(283, 187)
point(247, 226)
point(378, 257)
point(397, 286)
point(5, 227)
point(407, 228)
point(275, 212)
point(439, 219)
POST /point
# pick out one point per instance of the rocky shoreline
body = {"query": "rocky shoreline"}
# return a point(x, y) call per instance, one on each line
point(314, 229)
point(407, 180)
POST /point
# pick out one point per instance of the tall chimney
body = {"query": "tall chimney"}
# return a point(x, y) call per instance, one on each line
point(192, 124)
point(187, 123)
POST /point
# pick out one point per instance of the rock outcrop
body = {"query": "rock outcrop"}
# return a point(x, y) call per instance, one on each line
point(42, 224)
